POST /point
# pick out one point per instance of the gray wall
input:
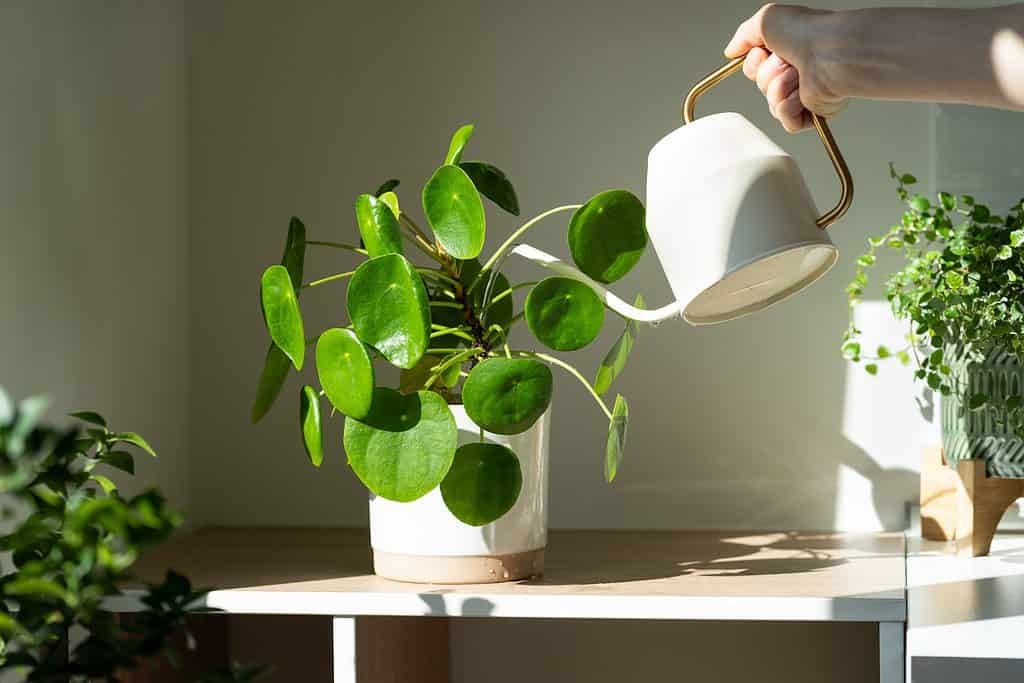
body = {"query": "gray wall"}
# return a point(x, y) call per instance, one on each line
point(297, 111)
point(92, 213)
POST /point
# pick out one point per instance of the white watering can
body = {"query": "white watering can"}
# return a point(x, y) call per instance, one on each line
point(730, 218)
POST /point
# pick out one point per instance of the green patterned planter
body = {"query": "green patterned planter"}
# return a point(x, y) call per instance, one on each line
point(981, 434)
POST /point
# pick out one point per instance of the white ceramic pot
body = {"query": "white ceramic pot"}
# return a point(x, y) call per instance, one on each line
point(423, 542)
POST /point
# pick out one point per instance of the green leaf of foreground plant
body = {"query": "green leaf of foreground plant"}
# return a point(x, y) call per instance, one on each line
point(483, 483)
point(616, 438)
point(312, 430)
point(615, 361)
point(294, 257)
point(345, 371)
point(135, 440)
point(564, 314)
point(405, 446)
point(89, 416)
point(275, 371)
point(105, 483)
point(497, 313)
point(387, 186)
point(458, 143)
point(493, 184)
point(507, 395)
point(388, 307)
point(378, 226)
point(121, 460)
point(282, 315)
point(456, 214)
point(391, 199)
point(607, 235)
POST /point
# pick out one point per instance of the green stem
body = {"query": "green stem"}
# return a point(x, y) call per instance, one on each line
point(456, 331)
point(416, 242)
point(446, 304)
point(329, 278)
point(457, 358)
point(572, 371)
point(434, 352)
point(435, 273)
point(508, 292)
point(338, 245)
point(516, 235)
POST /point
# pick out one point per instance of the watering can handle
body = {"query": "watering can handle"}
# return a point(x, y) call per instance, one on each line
point(845, 180)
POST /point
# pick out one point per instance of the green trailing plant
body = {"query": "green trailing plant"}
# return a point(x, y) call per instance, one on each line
point(960, 288)
point(72, 539)
point(445, 324)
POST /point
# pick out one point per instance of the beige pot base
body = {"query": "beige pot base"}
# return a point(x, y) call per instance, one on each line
point(458, 569)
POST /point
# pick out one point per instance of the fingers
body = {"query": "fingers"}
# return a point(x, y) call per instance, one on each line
point(791, 113)
point(770, 69)
point(748, 35)
point(753, 62)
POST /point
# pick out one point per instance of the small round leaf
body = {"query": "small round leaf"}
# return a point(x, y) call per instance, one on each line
point(607, 235)
point(388, 307)
point(405, 446)
point(378, 226)
point(456, 214)
point(312, 430)
point(483, 484)
point(281, 313)
point(615, 360)
point(507, 395)
point(294, 256)
point(493, 184)
point(564, 314)
point(275, 372)
point(345, 371)
point(616, 438)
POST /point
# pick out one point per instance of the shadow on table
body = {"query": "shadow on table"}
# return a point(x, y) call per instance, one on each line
point(972, 600)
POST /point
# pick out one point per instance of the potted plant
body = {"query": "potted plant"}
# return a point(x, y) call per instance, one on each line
point(961, 291)
point(455, 457)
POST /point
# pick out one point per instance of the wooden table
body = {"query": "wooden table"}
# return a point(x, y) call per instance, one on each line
point(620, 575)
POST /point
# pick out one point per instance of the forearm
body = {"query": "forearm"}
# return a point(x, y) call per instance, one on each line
point(937, 55)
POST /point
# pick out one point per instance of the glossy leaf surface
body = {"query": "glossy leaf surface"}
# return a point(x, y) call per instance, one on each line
point(282, 315)
point(564, 314)
point(345, 371)
point(405, 446)
point(388, 307)
point(607, 235)
point(507, 395)
point(378, 226)
point(616, 444)
point(483, 484)
point(458, 143)
point(455, 212)
point(615, 360)
point(312, 430)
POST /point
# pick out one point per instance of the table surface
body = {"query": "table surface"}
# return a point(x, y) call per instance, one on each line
point(966, 608)
point(589, 574)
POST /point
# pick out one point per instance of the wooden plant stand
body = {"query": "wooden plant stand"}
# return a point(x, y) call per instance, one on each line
point(963, 504)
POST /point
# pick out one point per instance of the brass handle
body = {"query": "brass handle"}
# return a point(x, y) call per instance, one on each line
point(842, 170)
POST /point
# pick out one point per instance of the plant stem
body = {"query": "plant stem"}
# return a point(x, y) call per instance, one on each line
point(329, 278)
point(434, 352)
point(338, 245)
point(456, 331)
point(571, 370)
point(418, 243)
point(446, 304)
point(452, 360)
point(516, 235)
point(435, 273)
point(508, 292)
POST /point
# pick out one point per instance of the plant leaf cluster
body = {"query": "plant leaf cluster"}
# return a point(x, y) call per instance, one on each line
point(960, 287)
point(73, 539)
point(445, 325)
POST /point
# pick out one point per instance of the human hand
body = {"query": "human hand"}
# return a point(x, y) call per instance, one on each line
point(786, 56)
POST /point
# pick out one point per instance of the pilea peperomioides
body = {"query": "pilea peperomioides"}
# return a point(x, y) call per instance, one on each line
point(446, 326)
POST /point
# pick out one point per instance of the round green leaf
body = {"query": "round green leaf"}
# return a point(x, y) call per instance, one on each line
point(493, 184)
point(378, 226)
point(607, 235)
point(405, 446)
point(275, 371)
point(499, 313)
point(281, 313)
point(345, 371)
point(456, 214)
point(483, 483)
point(458, 143)
point(312, 431)
point(507, 395)
point(388, 307)
point(616, 438)
point(564, 314)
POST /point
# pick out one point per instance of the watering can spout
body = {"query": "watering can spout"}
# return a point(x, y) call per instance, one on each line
point(546, 260)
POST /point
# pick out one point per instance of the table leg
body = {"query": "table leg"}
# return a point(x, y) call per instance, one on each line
point(390, 650)
point(892, 664)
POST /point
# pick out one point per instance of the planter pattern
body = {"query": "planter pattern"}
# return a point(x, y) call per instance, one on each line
point(982, 434)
